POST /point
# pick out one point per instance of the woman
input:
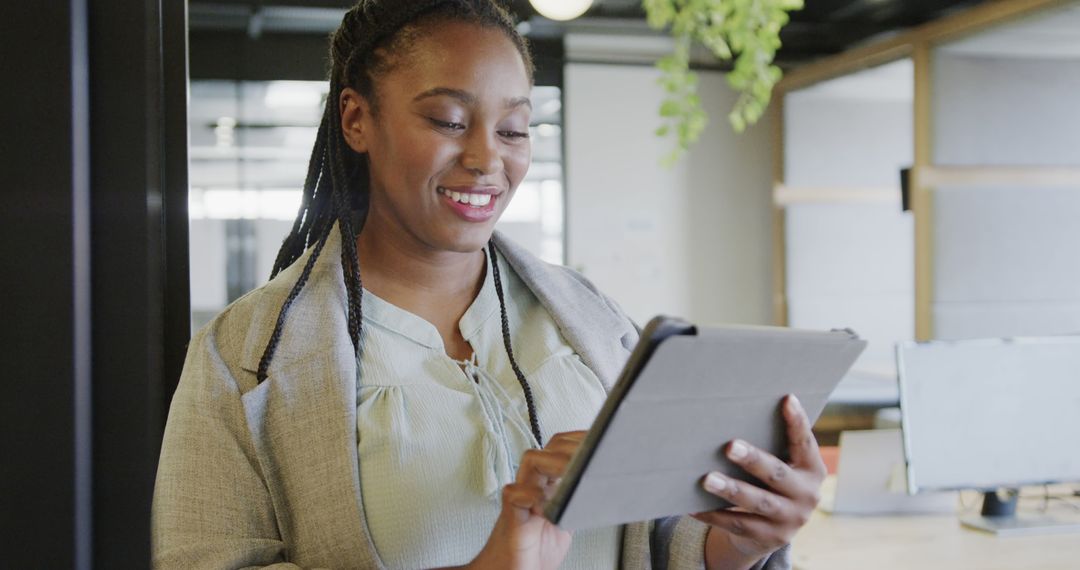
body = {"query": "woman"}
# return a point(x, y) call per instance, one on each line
point(419, 418)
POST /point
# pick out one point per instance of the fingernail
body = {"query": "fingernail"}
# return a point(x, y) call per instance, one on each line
point(715, 483)
point(737, 450)
point(793, 403)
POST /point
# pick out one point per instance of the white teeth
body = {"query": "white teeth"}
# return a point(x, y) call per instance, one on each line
point(474, 200)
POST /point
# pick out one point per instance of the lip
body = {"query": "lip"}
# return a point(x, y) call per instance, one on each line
point(467, 212)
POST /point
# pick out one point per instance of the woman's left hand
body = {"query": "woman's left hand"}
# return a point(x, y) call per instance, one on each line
point(763, 520)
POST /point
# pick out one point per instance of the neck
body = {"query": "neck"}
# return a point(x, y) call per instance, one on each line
point(406, 272)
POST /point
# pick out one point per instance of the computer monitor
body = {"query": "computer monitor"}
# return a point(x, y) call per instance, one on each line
point(991, 415)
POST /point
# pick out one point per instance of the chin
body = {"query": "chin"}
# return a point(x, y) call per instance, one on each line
point(469, 241)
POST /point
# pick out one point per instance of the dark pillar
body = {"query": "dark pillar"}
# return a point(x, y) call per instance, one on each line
point(138, 75)
point(45, 336)
point(94, 298)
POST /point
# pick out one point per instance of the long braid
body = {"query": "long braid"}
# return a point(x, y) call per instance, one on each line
point(534, 422)
point(349, 258)
point(337, 181)
point(271, 347)
point(297, 241)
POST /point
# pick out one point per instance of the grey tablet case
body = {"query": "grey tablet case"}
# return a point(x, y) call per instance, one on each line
point(684, 393)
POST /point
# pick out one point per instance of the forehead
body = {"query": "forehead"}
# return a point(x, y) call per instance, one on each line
point(478, 59)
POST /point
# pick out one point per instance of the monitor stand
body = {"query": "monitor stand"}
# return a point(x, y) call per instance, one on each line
point(999, 517)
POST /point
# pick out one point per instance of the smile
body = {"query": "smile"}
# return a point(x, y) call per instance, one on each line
point(468, 198)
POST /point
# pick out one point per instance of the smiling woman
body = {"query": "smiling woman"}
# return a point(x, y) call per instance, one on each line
point(324, 421)
point(447, 138)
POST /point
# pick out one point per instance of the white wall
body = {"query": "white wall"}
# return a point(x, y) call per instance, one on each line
point(850, 259)
point(993, 111)
point(268, 237)
point(208, 258)
point(846, 142)
point(851, 265)
point(854, 131)
point(694, 241)
point(209, 262)
point(1005, 258)
point(1006, 262)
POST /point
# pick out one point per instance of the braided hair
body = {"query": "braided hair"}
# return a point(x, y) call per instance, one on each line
point(369, 43)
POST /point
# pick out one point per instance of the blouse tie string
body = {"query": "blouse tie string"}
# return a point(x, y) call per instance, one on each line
point(502, 422)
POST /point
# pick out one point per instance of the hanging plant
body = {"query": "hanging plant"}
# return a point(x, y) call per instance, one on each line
point(747, 31)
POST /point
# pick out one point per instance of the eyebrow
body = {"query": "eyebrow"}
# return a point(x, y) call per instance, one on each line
point(468, 98)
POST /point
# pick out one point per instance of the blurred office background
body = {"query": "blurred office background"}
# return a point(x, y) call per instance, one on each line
point(160, 147)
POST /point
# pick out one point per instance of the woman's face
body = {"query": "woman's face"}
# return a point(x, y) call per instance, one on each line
point(450, 141)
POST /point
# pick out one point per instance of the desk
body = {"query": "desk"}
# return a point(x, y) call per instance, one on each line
point(929, 542)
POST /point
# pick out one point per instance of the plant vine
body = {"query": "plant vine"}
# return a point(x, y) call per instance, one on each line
point(746, 31)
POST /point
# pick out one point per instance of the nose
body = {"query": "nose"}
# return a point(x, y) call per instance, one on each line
point(481, 154)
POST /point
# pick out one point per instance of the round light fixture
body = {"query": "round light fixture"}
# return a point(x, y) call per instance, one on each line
point(561, 9)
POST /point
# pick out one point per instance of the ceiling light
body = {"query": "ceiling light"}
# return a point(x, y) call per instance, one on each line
point(561, 9)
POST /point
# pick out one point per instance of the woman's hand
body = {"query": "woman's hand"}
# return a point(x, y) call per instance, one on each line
point(522, 538)
point(763, 520)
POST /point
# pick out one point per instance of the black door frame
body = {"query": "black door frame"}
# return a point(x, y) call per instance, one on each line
point(95, 250)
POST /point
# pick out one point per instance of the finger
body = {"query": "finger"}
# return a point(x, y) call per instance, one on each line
point(563, 445)
point(541, 466)
point(571, 436)
point(768, 468)
point(748, 497)
point(521, 496)
point(568, 442)
point(803, 446)
point(523, 499)
point(755, 528)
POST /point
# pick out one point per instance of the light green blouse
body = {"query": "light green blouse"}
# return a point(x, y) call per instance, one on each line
point(438, 438)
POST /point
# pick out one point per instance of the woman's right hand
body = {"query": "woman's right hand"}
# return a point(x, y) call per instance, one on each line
point(522, 538)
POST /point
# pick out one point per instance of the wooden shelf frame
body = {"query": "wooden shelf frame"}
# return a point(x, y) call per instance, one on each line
point(784, 196)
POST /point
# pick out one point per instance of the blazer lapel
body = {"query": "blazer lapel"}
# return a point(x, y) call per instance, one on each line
point(600, 335)
point(303, 417)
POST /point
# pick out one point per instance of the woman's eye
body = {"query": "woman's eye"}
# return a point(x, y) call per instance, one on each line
point(514, 134)
point(448, 125)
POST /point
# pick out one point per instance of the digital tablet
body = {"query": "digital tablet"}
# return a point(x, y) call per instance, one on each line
point(684, 393)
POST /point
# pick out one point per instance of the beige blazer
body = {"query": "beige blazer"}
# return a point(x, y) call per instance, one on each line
point(257, 475)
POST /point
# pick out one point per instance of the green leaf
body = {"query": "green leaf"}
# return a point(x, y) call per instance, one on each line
point(746, 32)
point(737, 122)
point(670, 108)
point(672, 158)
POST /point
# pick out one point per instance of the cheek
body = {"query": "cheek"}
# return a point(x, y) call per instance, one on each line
point(425, 153)
point(517, 162)
point(423, 159)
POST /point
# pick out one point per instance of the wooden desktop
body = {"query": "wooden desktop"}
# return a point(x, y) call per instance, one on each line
point(929, 542)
